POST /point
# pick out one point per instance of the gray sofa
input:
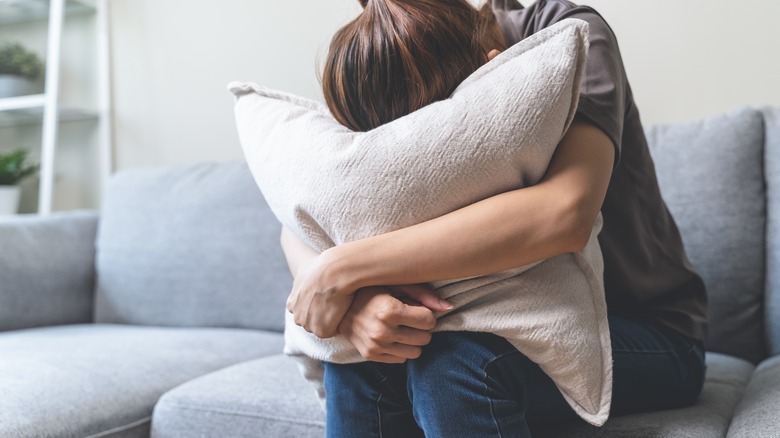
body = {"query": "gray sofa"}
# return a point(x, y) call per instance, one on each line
point(162, 316)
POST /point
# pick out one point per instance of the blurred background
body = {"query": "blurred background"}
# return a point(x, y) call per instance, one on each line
point(143, 82)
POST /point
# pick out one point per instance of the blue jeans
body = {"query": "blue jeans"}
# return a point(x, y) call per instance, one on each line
point(469, 384)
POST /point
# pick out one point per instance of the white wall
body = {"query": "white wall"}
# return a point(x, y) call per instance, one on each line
point(696, 58)
point(172, 59)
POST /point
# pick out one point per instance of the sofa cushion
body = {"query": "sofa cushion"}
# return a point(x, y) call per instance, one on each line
point(708, 418)
point(757, 412)
point(47, 267)
point(772, 171)
point(190, 246)
point(261, 398)
point(268, 397)
point(82, 380)
point(710, 173)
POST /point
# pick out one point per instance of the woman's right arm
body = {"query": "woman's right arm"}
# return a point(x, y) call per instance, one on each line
point(508, 230)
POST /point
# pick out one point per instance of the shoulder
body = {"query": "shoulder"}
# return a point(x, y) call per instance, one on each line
point(519, 22)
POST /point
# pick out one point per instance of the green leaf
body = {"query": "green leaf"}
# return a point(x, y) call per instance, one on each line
point(14, 167)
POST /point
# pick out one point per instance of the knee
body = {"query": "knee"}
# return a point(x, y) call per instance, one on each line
point(453, 375)
point(345, 381)
point(453, 361)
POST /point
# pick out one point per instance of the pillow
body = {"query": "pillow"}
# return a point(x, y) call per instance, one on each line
point(497, 132)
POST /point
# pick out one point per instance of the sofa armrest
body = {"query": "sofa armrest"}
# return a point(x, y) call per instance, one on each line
point(47, 269)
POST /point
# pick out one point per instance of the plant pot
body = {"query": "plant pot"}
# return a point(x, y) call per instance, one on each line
point(9, 200)
point(12, 85)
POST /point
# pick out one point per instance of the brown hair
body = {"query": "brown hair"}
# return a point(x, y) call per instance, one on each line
point(400, 55)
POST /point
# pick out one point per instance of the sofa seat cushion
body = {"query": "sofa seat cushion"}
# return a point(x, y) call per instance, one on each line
point(89, 379)
point(261, 398)
point(724, 385)
point(268, 397)
point(757, 412)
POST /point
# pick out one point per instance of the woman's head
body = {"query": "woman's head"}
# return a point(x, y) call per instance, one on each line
point(400, 55)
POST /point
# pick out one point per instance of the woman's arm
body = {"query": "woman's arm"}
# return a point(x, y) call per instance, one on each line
point(297, 253)
point(382, 326)
point(512, 229)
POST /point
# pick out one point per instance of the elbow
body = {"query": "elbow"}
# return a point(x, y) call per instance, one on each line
point(577, 228)
point(579, 236)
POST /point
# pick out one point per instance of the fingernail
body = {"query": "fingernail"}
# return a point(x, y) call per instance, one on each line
point(446, 305)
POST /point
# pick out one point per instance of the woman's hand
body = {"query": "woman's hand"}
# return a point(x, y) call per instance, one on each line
point(319, 298)
point(316, 303)
point(391, 325)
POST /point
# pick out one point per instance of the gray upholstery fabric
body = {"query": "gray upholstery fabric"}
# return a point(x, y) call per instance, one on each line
point(80, 380)
point(47, 267)
point(772, 171)
point(268, 397)
point(262, 398)
point(190, 246)
point(711, 177)
point(708, 418)
point(758, 413)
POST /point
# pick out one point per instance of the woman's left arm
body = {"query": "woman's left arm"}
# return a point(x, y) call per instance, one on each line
point(512, 229)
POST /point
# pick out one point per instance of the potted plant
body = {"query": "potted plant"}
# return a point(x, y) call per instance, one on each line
point(13, 169)
point(19, 70)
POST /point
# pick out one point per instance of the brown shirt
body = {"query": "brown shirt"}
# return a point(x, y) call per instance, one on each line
point(646, 272)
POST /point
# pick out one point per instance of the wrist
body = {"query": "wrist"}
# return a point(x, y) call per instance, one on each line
point(343, 270)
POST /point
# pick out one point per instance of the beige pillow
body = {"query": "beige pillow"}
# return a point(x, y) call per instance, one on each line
point(497, 132)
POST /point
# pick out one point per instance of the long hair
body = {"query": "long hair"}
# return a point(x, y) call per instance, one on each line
point(398, 56)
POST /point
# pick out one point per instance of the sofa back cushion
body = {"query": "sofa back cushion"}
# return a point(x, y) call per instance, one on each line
point(47, 269)
point(772, 169)
point(711, 176)
point(190, 246)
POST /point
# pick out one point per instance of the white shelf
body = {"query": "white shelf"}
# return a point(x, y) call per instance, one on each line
point(46, 110)
point(23, 11)
point(34, 116)
point(22, 102)
point(28, 110)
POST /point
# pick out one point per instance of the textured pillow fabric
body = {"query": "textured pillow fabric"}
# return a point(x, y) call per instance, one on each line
point(497, 132)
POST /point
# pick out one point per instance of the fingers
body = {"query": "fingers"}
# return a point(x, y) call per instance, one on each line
point(380, 326)
point(323, 323)
point(416, 317)
point(410, 336)
point(388, 352)
point(425, 296)
point(391, 353)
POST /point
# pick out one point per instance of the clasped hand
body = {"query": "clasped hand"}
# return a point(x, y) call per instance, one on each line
point(385, 324)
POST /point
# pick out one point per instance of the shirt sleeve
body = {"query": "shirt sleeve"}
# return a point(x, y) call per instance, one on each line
point(604, 91)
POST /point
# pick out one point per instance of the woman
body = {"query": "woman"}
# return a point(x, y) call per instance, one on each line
point(400, 55)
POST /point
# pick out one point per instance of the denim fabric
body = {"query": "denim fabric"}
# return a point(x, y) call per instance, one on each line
point(477, 385)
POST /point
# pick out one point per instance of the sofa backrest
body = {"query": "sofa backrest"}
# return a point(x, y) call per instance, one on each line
point(711, 177)
point(772, 166)
point(47, 272)
point(189, 246)
point(197, 245)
